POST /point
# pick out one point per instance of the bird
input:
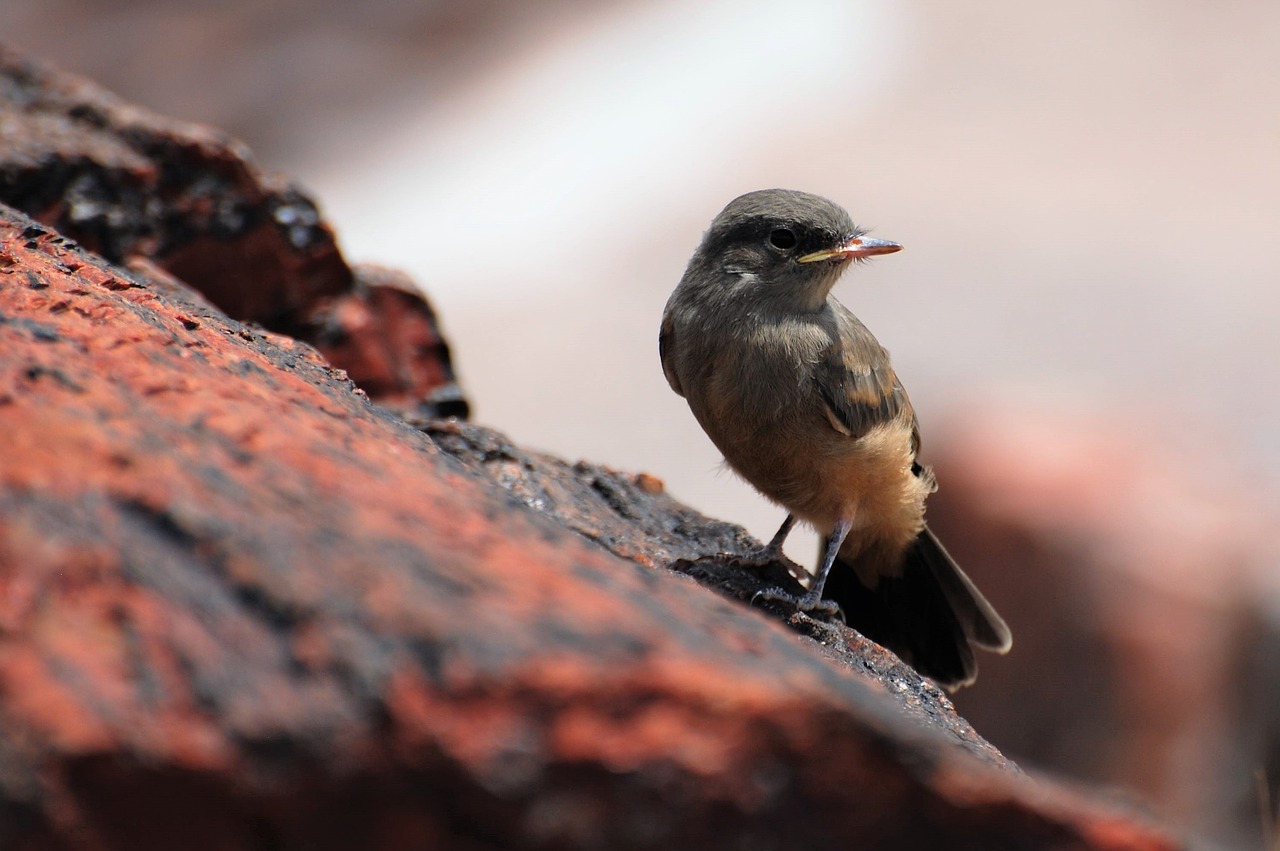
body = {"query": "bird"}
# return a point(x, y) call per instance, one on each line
point(802, 401)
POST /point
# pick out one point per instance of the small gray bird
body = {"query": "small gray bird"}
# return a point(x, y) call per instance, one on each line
point(802, 401)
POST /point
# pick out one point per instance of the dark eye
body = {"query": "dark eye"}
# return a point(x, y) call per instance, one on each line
point(782, 239)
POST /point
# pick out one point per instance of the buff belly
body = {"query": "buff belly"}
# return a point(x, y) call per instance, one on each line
point(867, 480)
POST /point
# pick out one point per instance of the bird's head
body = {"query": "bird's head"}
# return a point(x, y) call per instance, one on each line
point(781, 247)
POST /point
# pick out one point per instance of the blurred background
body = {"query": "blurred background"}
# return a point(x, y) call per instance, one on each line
point(1086, 313)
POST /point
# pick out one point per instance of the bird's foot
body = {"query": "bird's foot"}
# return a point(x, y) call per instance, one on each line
point(767, 556)
point(806, 604)
point(771, 551)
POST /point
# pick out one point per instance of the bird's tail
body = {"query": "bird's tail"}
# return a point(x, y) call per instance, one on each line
point(930, 614)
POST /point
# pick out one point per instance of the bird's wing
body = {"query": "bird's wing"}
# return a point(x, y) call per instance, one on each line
point(858, 384)
point(666, 351)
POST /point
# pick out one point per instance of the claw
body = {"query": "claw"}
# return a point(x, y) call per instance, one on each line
point(807, 603)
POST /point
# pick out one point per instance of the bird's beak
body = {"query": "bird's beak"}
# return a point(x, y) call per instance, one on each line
point(853, 249)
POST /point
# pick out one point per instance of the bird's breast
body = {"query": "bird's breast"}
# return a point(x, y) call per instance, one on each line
point(760, 405)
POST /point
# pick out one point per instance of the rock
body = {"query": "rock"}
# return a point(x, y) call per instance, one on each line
point(242, 607)
point(127, 183)
point(1138, 576)
point(386, 336)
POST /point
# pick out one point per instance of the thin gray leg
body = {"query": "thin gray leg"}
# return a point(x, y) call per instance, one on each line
point(838, 534)
point(774, 546)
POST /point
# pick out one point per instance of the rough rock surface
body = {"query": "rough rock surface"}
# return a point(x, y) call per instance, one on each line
point(242, 607)
point(127, 183)
point(386, 336)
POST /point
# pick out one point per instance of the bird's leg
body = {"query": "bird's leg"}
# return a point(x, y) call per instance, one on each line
point(771, 553)
point(812, 601)
point(773, 550)
point(838, 534)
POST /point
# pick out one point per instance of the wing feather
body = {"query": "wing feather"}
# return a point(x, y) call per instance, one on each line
point(666, 351)
point(858, 384)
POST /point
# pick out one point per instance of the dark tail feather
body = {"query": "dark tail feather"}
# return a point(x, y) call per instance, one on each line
point(931, 614)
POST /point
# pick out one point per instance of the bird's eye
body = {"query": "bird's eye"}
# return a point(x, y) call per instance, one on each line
point(782, 239)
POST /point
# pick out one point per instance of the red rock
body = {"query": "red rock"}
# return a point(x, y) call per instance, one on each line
point(386, 336)
point(123, 181)
point(242, 607)
point(127, 184)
